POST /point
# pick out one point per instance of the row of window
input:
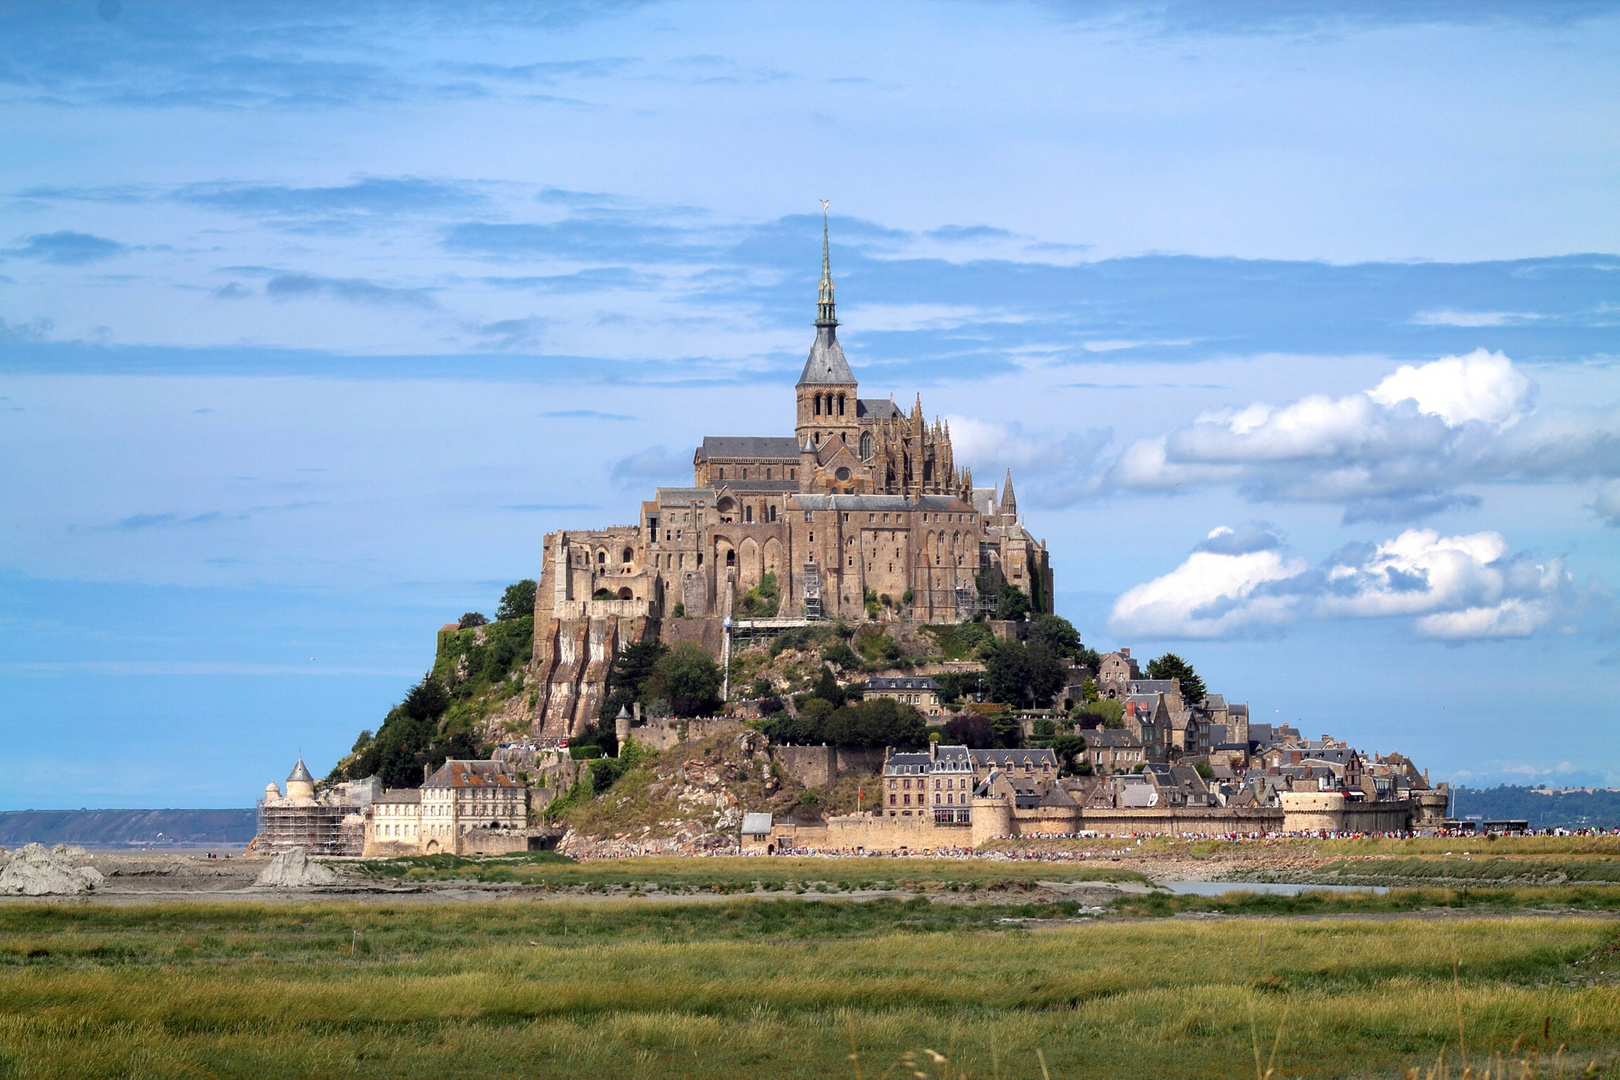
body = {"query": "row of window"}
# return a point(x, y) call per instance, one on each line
point(770, 473)
point(938, 784)
point(922, 800)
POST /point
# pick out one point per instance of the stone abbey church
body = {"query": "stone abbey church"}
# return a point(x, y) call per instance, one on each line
point(862, 500)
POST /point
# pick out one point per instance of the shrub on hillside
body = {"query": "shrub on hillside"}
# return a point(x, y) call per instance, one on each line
point(518, 600)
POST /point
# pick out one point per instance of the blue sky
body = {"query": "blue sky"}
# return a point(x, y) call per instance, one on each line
point(1298, 325)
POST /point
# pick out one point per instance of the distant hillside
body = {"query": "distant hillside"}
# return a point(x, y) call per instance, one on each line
point(121, 828)
point(1570, 810)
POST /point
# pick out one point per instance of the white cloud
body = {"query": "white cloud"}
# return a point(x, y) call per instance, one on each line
point(1454, 588)
point(1480, 386)
point(1406, 448)
point(1471, 319)
point(1209, 595)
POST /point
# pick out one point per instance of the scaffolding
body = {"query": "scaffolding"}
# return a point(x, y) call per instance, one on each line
point(318, 828)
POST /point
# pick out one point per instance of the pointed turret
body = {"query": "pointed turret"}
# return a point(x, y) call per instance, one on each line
point(827, 403)
point(1009, 502)
point(826, 314)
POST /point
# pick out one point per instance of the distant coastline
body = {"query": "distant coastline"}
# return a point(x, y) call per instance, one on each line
point(123, 829)
point(1575, 808)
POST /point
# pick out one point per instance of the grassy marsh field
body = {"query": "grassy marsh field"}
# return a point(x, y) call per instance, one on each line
point(780, 988)
point(738, 875)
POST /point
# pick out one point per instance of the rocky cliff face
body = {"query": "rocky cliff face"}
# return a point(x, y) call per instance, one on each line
point(688, 800)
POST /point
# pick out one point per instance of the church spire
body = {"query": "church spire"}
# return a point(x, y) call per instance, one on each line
point(825, 315)
point(1009, 504)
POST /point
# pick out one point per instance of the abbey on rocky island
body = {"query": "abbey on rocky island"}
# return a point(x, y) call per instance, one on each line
point(863, 502)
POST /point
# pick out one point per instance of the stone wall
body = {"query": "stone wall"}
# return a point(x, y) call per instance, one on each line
point(869, 832)
point(821, 766)
point(662, 734)
point(1165, 820)
point(708, 633)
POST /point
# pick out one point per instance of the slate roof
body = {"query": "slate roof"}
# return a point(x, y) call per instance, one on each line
point(1113, 739)
point(748, 446)
point(300, 772)
point(907, 764)
point(399, 795)
point(879, 408)
point(1013, 759)
point(756, 824)
point(904, 683)
point(865, 503)
point(826, 363)
point(1151, 686)
point(684, 496)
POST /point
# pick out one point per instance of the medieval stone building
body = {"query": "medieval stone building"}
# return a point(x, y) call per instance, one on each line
point(863, 500)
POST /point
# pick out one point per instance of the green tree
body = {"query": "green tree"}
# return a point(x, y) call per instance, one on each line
point(1013, 603)
point(1056, 633)
point(688, 678)
point(1027, 676)
point(517, 601)
point(1068, 748)
point(971, 730)
point(827, 688)
point(627, 677)
point(427, 700)
point(472, 619)
point(1171, 666)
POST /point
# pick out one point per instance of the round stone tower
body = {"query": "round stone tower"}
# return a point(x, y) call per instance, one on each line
point(300, 785)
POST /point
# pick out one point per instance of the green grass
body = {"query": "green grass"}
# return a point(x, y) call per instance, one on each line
point(1395, 901)
point(771, 988)
point(1506, 870)
point(737, 875)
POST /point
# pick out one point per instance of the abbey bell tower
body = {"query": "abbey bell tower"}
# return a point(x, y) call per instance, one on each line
point(826, 388)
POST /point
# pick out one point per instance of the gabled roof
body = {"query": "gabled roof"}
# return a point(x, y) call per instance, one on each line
point(756, 824)
point(470, 774)
point(748, 446)
point(1113, 739)
point(1013, 759)
point(879, 409)
point(399, 795)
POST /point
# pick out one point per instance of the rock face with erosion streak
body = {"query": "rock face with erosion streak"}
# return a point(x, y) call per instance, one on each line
point(36, 871)
point(293, 870)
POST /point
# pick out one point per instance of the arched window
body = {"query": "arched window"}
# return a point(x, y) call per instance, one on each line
point(773, 513)
point(818, 404)
point(731, 557)
point(628, 555)
point(840, 404)
point(601, 557)
point(866, 446)
point(748, 514)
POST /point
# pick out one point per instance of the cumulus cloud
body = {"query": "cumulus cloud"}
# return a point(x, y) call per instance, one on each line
point(1452, 588)
point(1480, 386)
point(1396, 452)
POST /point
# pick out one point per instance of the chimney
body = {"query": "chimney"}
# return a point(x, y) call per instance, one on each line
point(1125, 652)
